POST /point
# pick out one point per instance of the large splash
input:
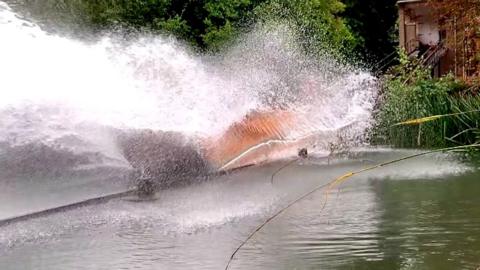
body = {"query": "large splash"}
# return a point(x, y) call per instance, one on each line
point(69, 94)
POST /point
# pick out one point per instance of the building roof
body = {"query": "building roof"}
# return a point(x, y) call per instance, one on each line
point(399, 2)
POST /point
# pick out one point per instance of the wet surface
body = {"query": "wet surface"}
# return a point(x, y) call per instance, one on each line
point(419, 214)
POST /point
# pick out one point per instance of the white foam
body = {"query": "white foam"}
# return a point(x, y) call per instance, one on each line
point(51, 85)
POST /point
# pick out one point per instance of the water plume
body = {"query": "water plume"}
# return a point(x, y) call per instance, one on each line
point(75, 96)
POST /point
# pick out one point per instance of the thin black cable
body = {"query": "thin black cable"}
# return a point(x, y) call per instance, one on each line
point(66, 207)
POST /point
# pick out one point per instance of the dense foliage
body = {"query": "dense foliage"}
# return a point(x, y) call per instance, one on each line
point(318, 22)
point(207, 24)
point(410, 92)
point(366, 28)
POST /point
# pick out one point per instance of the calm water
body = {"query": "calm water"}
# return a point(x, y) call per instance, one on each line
point(420, 214)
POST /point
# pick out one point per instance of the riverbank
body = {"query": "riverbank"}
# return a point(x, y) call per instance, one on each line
point(410, 92)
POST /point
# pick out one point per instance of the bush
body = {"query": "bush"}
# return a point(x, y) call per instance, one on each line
point(409, 92)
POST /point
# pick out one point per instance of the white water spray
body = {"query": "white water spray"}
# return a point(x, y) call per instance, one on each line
point(52, 88)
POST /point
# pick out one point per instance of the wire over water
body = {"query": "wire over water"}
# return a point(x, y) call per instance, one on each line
point(338, 181)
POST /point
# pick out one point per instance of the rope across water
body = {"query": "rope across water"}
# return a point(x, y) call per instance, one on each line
point(338, 181)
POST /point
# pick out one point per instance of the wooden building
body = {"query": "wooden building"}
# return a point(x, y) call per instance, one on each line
point(441, 44)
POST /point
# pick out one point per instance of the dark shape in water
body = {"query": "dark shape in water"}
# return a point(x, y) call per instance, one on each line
point(145, 187)
point(162, 159)
point(303, 153)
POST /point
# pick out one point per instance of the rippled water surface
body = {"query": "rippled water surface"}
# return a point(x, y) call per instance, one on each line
point(419, 214)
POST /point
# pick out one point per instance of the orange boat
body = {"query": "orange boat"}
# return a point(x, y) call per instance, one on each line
point(259, 137)
point(252, 140)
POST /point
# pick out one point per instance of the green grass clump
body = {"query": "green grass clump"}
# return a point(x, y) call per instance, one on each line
point(435, 108)
point(467, 122)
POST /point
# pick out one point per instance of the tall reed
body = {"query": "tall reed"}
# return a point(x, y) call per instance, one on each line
point(410, 93)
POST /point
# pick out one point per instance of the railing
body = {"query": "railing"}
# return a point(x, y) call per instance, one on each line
point(412, 46)
point(433, 55)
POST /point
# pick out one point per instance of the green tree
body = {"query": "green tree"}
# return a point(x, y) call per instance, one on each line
point(318, 22)
point(208, 24)
point(220, 20)
point(204, 23)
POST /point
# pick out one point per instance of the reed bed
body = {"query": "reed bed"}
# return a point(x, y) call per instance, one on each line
point(441, 112)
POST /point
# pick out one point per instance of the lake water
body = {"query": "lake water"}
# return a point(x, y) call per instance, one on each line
point(419, 214)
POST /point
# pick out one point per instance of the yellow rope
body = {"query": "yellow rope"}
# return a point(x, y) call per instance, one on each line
point(430, 118)
point(337, 181)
